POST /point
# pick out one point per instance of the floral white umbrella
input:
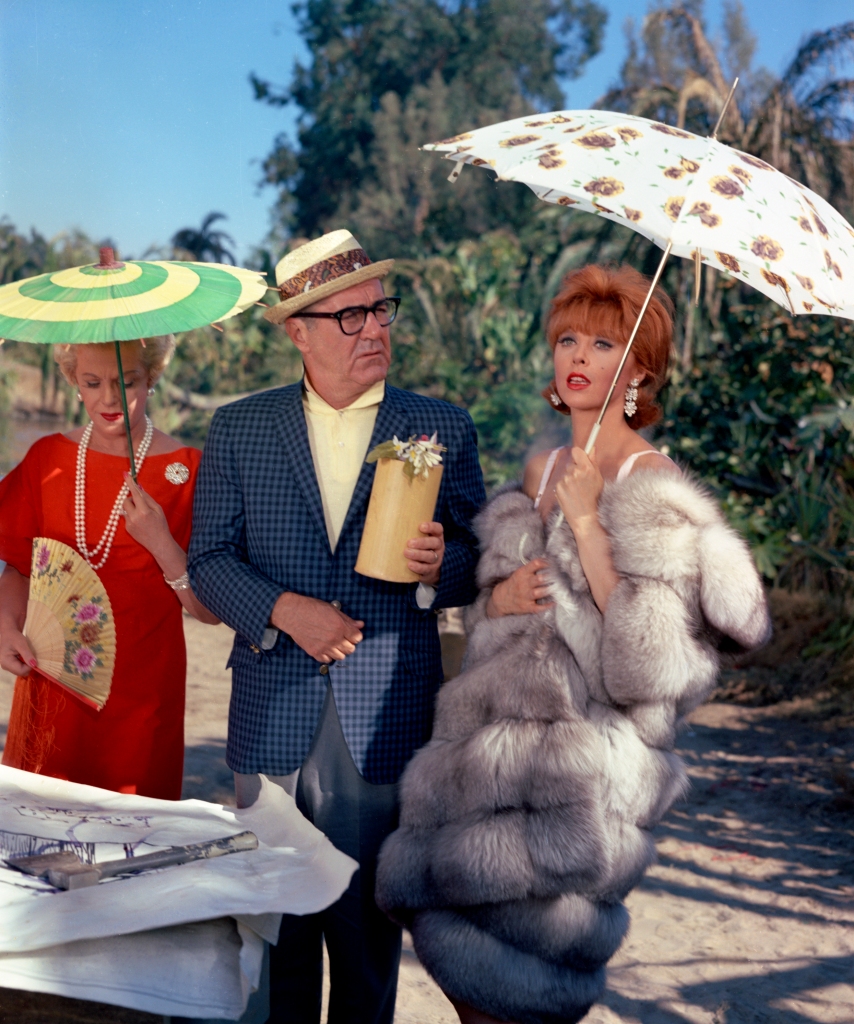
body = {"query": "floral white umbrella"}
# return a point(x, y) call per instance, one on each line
point(693, 196)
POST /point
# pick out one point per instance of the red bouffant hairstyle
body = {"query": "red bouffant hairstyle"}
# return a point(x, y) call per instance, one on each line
point(606, 301)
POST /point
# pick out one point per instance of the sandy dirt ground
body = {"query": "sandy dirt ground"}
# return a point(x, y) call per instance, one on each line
point(747, 918)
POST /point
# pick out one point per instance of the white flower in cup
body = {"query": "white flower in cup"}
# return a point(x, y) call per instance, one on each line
point(419, 455)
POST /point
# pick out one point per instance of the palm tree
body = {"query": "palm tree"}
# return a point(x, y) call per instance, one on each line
point(800, 123)
point(203, 244)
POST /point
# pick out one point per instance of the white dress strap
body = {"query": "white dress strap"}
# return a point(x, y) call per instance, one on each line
point(547, 472)
point(628, 465)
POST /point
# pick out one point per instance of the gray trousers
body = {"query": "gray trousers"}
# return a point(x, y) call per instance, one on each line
point(363, 945)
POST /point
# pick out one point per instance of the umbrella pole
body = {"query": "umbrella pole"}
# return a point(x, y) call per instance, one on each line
point(594, 433)
point(125, 409)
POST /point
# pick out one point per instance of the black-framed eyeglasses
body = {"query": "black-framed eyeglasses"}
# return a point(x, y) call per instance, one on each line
point(352, 319)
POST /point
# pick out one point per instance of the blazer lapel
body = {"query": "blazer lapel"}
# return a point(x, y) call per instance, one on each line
point(294, 435)
point(390, 420)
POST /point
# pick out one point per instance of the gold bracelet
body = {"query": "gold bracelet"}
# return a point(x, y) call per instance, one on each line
point(182, 583)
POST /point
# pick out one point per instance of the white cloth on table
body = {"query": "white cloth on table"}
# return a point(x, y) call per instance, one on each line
point(181, 941)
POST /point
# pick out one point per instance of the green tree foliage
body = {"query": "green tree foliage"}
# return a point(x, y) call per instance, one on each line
point(479, 262)
point(22, 257)
point(800, 123)
point(388, 75)
point(764, 414)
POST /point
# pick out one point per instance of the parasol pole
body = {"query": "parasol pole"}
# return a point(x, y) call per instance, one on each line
point(108, 261)
point(594, 433)
point(597, 426)
point(724, 108)
point(125, 408)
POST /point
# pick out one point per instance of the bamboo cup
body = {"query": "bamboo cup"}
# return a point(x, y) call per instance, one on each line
point(399, 504)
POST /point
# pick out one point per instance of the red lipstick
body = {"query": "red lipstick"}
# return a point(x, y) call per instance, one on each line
point(577, 382)
point(111, 417)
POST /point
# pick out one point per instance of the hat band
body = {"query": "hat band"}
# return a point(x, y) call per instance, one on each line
point(323, 272)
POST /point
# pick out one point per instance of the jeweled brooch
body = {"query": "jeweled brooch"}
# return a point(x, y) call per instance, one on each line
point(177, 473)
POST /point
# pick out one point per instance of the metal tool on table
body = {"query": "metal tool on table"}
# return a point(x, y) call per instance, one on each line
point(66, 871)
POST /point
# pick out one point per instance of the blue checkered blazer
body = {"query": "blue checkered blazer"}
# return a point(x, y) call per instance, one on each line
point(259, 530)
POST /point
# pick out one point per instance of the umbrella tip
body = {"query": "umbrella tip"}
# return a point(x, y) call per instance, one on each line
point(108, 259)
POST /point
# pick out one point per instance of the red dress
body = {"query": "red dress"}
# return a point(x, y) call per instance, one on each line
point(135, 744)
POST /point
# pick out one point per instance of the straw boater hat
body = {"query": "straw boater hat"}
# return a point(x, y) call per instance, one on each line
point(320, 268)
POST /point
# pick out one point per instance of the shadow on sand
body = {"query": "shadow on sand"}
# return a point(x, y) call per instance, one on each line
point(748, 916)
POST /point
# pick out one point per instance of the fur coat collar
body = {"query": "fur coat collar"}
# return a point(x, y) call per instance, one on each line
point(526, 819)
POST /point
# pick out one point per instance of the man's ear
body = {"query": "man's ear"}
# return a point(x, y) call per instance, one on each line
point(298, 333)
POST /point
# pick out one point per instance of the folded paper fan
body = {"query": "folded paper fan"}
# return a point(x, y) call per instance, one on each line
point(70, 622)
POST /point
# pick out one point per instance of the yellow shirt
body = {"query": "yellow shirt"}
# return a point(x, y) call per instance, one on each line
point(339, 440)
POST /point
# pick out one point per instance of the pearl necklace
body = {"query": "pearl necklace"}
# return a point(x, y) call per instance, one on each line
point(106, 541)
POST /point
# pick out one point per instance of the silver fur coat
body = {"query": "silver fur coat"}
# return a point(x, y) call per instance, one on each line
point(526, 820)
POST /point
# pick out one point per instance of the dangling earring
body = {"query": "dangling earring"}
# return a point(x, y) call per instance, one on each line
point(150, 392)
point(631, 403)
point(79, 397)
point(555, 400)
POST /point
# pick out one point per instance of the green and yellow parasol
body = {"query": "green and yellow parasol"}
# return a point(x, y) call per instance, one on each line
point(114, 301)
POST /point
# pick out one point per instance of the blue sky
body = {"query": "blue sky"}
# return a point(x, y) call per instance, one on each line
point(134, 118)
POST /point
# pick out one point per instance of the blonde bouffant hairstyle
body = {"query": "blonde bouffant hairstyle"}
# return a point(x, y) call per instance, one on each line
point(154, 354)
point(606, 300)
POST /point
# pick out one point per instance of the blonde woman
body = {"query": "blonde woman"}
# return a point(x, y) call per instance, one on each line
point(76, 488)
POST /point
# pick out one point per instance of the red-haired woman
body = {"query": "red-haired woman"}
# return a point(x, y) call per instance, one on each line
point(526, 819)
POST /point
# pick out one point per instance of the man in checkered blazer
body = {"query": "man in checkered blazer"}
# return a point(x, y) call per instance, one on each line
point(334, 673)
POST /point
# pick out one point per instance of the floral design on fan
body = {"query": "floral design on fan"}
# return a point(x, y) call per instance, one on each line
point(90, 633)
point(43, 559)
point(632, 214)
point(420, 455)
point(66, 567)
point(84, 661)
point(88, 613)
point(83, 641)
point(740, 173)
point(805, 224)
point(628, 134)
